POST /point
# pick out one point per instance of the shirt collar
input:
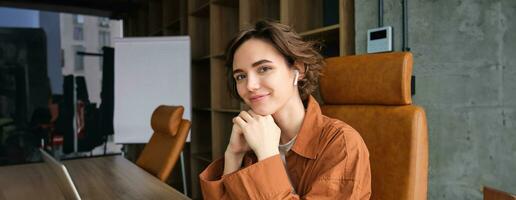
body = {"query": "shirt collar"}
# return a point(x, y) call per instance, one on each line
point(311, 128)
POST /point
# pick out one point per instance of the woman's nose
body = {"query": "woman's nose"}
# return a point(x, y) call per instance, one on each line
point(253, 83)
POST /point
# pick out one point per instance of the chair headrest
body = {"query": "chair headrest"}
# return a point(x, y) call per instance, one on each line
point(166, 119)
point(379, 79)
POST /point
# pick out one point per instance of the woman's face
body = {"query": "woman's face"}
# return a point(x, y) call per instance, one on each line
point(263, 79)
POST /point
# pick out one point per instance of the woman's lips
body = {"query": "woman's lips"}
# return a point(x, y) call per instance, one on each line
point(257, 98)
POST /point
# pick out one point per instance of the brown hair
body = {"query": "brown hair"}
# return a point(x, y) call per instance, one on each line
point(289, 44)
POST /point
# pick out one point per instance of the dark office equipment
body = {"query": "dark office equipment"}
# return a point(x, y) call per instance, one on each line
point(98, 123)
point(108, 91)
point(93, 136)
point(90, 136)
point(64, 124)
point(82, 91)
point(24, 83)
point(24, 87)
point(39, 126)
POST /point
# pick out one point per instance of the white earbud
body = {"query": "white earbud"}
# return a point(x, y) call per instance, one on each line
point(296, 76)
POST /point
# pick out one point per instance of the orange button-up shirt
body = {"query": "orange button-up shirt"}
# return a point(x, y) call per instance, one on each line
point(328, 160)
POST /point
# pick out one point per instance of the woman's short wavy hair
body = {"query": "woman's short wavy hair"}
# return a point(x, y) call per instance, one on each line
point(289, 44)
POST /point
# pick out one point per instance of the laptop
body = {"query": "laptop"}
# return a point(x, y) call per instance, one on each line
point(64, 180)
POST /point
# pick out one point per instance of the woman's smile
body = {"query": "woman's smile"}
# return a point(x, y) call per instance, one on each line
point(258, 98)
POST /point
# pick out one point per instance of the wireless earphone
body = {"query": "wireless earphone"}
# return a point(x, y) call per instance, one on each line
point(296, 76)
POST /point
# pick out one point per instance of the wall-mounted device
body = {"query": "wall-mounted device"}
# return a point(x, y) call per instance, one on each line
point(379, 39)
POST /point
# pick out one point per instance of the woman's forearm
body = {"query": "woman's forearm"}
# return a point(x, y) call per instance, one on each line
point(232, 162)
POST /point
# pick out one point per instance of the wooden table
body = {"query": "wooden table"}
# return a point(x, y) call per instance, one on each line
point(110, 177)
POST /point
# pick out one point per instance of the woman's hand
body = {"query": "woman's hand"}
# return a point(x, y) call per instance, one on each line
point(261, 133)
point(235, 151)
point(237, 144)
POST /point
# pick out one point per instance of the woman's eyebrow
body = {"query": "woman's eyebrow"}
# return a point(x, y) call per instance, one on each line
point(254, 65)
point(261, 62)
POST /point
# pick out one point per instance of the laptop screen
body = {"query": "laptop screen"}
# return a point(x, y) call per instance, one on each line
point(63, 177)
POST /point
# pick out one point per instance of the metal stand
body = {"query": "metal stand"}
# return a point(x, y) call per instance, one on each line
point(185, 189)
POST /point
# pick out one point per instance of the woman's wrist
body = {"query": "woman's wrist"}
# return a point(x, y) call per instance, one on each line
point(232, 161)
point(266, 153)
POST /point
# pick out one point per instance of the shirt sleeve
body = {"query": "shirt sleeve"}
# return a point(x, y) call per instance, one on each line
point(266, 179)
point(343, 172)
point(211, 181)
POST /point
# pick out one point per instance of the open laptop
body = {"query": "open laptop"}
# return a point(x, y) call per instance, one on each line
point(64, 180)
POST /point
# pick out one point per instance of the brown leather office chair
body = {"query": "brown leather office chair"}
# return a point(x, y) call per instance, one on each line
point(372, 94)
point(160, 155)
point(494, 194)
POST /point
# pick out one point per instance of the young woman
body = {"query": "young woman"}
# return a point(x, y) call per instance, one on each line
point(283, 147)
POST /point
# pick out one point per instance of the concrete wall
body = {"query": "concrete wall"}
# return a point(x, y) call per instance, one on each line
point(465, 64)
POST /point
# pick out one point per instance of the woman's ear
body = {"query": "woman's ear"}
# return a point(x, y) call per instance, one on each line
point(301, 68)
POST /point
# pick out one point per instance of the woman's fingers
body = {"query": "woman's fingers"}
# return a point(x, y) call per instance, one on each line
point(239, 121)
point(246, 116)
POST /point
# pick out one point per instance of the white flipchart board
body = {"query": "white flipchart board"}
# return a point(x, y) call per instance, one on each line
point(149, 72)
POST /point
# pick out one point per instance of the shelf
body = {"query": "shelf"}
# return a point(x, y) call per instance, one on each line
point(199, 29)
point(204, 109)
point(219, 56)
point(221, 132)
point(195, 4)
point(226, 110)
point(172, 10)
point(155, 16)
point(303, 15)
point(252, 11)
point(173, 24)
point(201, 94)
point(320, 31)
point(202, 59)
point(328, 37)
point(201, 132)
point(224, 26)
point(206, 157)
point(228, 3)
point(202, 11)
point(157, 32)
point(221, 95)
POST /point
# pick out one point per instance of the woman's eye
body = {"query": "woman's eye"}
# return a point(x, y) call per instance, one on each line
point(239, 77)
point(264, 69)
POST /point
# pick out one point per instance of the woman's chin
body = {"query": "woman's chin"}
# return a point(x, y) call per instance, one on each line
point(262, 111)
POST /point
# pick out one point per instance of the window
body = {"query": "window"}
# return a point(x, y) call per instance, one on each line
point(78, 33)
point(104, 22)
point(104, 38)
point(78, 19)
point(62, 58)
point(79, 59)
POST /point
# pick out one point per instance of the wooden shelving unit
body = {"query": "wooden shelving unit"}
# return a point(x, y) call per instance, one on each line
point(155, 17)
point(329, 21)
point(211, 24)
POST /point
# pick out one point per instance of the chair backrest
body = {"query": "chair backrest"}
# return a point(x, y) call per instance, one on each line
point(494, 194)
point(372, 94)
point(160, 155)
